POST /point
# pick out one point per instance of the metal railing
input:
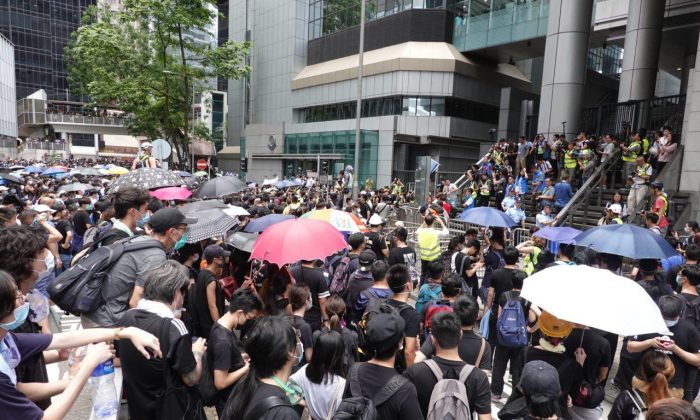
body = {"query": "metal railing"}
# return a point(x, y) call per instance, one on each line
point(582, 196)
point(44, 145)
point(84, 119)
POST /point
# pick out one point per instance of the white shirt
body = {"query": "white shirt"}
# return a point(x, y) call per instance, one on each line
point(320, 398)
point(542, 218)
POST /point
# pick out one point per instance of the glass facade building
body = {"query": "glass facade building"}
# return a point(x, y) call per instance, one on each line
point(40, 30)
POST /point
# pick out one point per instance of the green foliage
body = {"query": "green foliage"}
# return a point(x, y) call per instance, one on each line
point(141, 60)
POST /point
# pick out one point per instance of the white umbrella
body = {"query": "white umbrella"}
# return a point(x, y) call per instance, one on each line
point(595, 298)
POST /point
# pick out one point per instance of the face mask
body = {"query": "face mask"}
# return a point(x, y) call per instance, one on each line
point(39, 306)
point(670, 322)
point(50, 266)
point(88, 207)
point(181, 242)
point(195, 256)
point(678, 280)
point(20, 316)
point(143, 220)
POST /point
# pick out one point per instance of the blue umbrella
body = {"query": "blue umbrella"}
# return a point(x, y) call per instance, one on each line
point(487, 216)
point(52, 171)
point(259, 225)
point(297, 183)
point(626, 240)
point(558, 234)
point(33, 170)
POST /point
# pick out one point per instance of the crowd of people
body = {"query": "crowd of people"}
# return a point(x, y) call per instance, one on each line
point(395, 326)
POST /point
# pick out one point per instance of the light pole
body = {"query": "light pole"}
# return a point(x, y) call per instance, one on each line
point(358, 111)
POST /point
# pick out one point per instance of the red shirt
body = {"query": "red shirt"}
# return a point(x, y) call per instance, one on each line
point(659, 208)
point(447, 207)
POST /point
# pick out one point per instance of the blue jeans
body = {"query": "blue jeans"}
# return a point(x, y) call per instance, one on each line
point(65, 259)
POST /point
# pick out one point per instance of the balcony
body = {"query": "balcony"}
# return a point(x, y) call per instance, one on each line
point(84, 119)
point(480, 24)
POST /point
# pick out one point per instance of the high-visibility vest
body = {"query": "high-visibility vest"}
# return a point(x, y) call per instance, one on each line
point(485, 188)
point(428, 245)
point(569, 161)
point(642, 170)
point(645, 146)
point(631, 156)
point(617, 221)
point(665, 209)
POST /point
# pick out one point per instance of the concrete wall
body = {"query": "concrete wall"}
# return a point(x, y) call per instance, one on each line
point(690, 174)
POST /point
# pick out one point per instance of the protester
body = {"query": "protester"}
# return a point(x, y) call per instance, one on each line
point(300, 300)
point(335, 308)
point(207, 297)
point(429, 242)
point(379, 290)
point(309, 274)
point(401, 285)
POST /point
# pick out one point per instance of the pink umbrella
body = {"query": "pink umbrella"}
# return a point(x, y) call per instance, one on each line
point(298, 239)
point(171, 193)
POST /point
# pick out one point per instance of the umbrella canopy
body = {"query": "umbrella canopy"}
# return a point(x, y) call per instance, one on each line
point(261, 224)
point(343, 221)
point(210, 223)
point(284, 184)
point(171, 193)
point(298, 239)
point(16, 167)
point(487, 216)
point(221, 186)
point(76, 186)
point(197, 206)
point(117, 170)
point(243, 241)
point(200, 173)
point(235, 211)
point(569, 292)
point(33, 169)
point(183, 174)
point(53, 171)
point(626, 240)
point(148, 178)
point(89, 172)
point(562, 234)
point(11, 178)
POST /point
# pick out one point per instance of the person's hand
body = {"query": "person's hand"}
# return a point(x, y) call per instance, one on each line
point(63, 354)
point(247, 283)
point(142, 340)
point(98, 353)
point(657, 343)
point(199, 346)
point(59, 263)
point(580, 355)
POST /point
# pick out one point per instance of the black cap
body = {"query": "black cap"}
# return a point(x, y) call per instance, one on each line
point(367, 257)
point(214, 251)
point(540, 381)
point(167, 218)
point(385, 331)
point(657, 184)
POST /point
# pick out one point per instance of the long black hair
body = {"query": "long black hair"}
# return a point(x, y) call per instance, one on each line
point(268, 345)
point(328, 358)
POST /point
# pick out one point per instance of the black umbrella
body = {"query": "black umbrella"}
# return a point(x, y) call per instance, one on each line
point(210, 223)
point(243, 241)
point(197, 206)
point(148, 178)
point(12, 178)
point(221, 186)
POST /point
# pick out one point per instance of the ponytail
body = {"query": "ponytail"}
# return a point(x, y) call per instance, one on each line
point(334, 323)
point(335, 308)
point(658, 389)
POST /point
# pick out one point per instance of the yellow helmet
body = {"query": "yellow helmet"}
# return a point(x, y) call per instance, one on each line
point(552, 326)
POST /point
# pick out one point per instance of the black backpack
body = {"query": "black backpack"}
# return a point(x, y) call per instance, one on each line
point(691, 311)
point(374, 306)
point(78, 290)
point(359, 407)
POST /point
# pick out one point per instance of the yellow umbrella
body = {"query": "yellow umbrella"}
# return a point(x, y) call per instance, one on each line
point(117, 170)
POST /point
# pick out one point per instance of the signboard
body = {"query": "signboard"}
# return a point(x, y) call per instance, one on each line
point(201, 164)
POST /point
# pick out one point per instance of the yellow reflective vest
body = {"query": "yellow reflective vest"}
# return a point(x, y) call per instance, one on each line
point(428, 244)
point(569, 161)
point(631, 156)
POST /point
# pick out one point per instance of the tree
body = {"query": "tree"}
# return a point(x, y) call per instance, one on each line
point(140, 59)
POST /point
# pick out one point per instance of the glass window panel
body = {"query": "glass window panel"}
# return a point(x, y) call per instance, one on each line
point(423, 107)
point(315, 144)
point(437, 107)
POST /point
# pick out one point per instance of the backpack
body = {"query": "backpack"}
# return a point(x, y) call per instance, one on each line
point(639, 404)
point(94, 233)
point(207, 389)
point(449, 397)
point(358, 407)
point(691, 312)
point(341, 275)
point(78, 290)
point(511, 327)
point(374, 307)
point(428, 294)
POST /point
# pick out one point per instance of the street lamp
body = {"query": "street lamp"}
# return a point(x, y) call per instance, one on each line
point(187, 107)
point(358, 112)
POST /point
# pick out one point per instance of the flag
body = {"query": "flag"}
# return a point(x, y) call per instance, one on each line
point(433, 166)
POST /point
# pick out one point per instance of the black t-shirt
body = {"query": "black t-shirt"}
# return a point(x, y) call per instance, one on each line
point(224, 352)
point(477, 384)
point(597, 352)
point(144, 379)
point(277, 413)
point(656, 287)
point(307, 338)
point(63, 227)
point(316, 280)
point(463, 263)
point(493, 261)
point(469, 347)
point(515, 294)
point(405, 255)
point(376, 243)
point(200, 307)
point(501, 281)
point(33, 369)
point(80, 221)
point(402, 405)
point(409, 315)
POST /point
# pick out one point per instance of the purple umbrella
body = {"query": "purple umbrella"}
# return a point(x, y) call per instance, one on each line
point(259, 225)
point(562, 234)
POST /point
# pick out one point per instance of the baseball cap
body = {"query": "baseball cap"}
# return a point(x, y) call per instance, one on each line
point(518, 200)
point(539, 381)
point(615, 208)
point(367, 257)
point(43, 208)
point(552, 326)
point(167, 218)
point(385, 331)
point(214, 251)
point(146, 145)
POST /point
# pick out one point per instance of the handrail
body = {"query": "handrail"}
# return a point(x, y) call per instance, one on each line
point(586, 189)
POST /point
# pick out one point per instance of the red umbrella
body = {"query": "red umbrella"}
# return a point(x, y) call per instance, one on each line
point(297, 239)
point(171, 193)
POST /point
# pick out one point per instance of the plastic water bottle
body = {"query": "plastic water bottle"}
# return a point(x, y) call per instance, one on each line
point(104, 396)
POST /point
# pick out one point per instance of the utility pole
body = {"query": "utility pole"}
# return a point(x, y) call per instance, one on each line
point(358, 112)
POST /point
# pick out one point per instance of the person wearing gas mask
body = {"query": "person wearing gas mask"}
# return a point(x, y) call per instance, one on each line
point(168, 227)
point(145, 379)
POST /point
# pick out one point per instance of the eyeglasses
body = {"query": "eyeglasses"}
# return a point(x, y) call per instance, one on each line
point(19, 297)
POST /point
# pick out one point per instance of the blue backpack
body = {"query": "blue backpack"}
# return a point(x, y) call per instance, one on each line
point(511, 327)
point(427, 295)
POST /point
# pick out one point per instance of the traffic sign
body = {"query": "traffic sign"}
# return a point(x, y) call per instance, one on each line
point(161, 149)
point(201, 164)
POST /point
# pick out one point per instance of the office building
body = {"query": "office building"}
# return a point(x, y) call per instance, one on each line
point(8, 111)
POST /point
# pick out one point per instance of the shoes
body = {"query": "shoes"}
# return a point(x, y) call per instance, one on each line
point(495, 398)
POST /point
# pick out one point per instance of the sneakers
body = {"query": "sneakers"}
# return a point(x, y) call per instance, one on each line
point(495, 398)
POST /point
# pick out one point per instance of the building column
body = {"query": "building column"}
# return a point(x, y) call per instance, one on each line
point(564, 70)
point(640, 62)
point(690, 172)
